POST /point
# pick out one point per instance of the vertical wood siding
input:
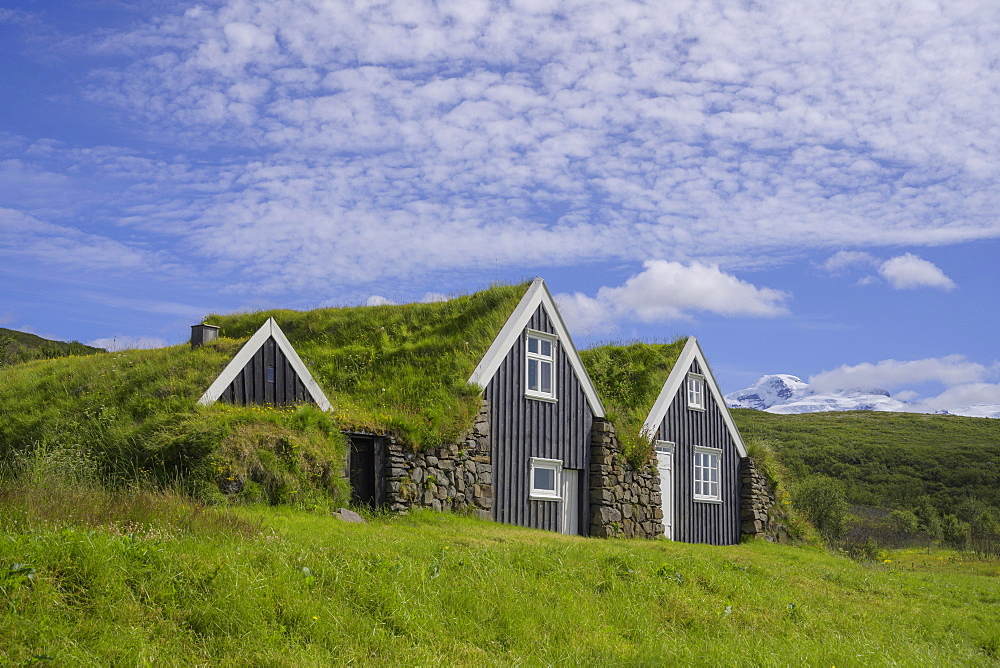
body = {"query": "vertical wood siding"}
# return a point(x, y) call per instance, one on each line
point(523, 428)
point(251, 387)
point(696, 521)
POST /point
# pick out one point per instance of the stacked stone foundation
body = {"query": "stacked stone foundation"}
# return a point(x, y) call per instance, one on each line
point(624, 500)
point(456, 476)
point(757, 505)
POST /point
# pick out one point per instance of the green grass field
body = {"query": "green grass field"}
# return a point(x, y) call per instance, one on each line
point(137, 578)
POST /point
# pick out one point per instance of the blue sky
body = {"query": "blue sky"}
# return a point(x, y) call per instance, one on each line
point(808, 187)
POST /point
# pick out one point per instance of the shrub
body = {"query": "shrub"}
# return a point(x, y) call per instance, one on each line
point(903, 521)
point(956, 532)
point(985, 525)
point(929, 518)
point(824, 503)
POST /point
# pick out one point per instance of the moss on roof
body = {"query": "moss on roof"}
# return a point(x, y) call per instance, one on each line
point(628, 379)
point(401, 369)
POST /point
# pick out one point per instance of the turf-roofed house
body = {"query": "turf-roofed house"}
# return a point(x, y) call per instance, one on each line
point(479, 402)
point(482, 403)
point(663, 398)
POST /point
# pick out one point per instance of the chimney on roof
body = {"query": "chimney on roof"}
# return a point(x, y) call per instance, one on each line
point(202, 334)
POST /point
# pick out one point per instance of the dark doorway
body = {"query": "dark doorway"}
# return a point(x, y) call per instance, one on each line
point(366, 470)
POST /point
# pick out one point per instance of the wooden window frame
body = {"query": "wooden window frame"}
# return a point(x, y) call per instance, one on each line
point(540, 360)
point(543, 494)
point(698, 470)
point(695, 399)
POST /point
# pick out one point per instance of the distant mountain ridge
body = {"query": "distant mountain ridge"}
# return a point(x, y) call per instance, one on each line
point(786, 394)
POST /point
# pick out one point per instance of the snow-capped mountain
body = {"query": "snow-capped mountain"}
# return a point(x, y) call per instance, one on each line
point(783, 393)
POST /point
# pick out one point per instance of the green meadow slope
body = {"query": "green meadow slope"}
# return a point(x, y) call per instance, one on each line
point(888, 459)
point(17, 347)
point(93, 579)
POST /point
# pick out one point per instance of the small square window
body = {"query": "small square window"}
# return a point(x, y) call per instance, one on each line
point(706, 474)
point(696, 391)
point(539, 378)
point(545, 475)
point(270, 374)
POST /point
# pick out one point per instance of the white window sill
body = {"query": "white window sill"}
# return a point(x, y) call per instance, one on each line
point(541, 397)
point(537, 496)
point(696, 408)
point(697, 500)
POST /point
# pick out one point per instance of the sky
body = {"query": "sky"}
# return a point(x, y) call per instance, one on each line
point(808, 187)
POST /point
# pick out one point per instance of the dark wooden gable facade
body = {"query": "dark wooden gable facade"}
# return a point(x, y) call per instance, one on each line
point(681, 429)
point(266, 371)
point(268, 378)
point(523, 427)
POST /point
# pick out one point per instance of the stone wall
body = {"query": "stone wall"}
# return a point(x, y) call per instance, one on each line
point(760, 517)
point(457, 477)
point(624, 501)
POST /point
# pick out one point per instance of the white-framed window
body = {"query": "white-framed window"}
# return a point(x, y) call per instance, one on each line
point(696, 391)
point(545, 479)
point(665, 446)
point(539, 371)
point(706, 474)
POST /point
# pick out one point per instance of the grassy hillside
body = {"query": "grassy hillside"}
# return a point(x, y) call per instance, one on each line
point(131, 417)
point(17, 347)
point(888, 459)
point(142, 579)
point(911, 478)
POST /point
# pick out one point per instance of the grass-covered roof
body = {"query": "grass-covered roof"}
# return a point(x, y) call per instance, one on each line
point(401, 369)
point(629, 378)
point(394, 368)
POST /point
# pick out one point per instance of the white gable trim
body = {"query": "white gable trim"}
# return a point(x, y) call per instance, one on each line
point(675, 382)
point(268, 329)
point(536, 295)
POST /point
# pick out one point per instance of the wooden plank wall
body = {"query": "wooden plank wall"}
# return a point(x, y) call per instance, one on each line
point(523, 428)
point(251, 387)
point(700, 522)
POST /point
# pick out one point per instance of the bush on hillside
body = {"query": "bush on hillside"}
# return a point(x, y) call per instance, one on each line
point(823, 502)
point(903, 521)
point(929, 518)
point(957, 533)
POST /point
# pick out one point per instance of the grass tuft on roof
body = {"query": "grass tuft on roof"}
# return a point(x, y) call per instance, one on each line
point(628, 378)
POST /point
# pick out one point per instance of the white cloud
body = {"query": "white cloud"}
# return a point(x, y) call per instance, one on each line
point(378, 300)
point(26, 238)
point(961, 398)
point(951, 370)
point(430, 297)
point(666, 291)
point(127, 342)
point(456, 136)
point(844, 259)
point(909, 271)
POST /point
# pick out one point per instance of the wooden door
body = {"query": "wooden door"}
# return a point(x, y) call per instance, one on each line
point(665, 463)
point(366, 470)
point(569, 522)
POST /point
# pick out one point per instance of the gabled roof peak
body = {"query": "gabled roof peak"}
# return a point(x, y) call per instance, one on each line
point(692, 351)
point(536, 295)
point(269, 329)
